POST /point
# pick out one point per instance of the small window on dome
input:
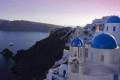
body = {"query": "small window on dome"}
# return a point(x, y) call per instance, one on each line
point(114, 28)
point(107, 28)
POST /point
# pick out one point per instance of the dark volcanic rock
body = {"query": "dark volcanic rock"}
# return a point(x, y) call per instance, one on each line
point(7, 53)
point(36, 61)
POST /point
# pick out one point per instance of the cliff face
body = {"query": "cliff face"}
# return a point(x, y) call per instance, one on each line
point(22, 25)
point(7, 53)
point(37, 60)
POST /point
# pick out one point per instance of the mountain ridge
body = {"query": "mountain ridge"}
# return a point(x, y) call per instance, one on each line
point(24, 25)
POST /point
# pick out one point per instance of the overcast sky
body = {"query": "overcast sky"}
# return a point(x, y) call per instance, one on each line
point(60, 12)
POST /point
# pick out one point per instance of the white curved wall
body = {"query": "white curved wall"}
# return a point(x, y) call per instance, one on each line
point(116, 33)
point(110, 61)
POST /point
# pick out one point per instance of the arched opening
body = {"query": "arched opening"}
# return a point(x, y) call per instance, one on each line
point(75, 51)
point(75, 66)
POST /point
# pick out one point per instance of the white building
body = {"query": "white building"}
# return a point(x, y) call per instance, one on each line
point(79, 31)
point(64, 58)
point(84, 34)
point(99, 61)
point(59, 73)
point(112, 26)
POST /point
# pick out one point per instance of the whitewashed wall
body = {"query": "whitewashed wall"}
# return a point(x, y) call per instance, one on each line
point(116, 33)
point(94, 55)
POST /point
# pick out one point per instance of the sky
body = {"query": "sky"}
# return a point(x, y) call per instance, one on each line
point(59, 12)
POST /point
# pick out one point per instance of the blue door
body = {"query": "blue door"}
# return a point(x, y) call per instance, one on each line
point(115, 76)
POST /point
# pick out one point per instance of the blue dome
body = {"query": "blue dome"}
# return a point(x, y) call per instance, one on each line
point(77, 42)
point(113, 19)
point(104, 41)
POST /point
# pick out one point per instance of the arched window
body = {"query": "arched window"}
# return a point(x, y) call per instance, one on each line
point(75, 66)
point(107, 28)
point(102, 58)
point(114, 28)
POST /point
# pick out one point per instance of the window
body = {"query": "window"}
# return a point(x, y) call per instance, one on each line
point(86, 52)
point(114, 28)
point(53, 78)
point(113, 59)
point(91, 56)
point(102, 58)
point(90, 35)
point(80, 52)
point(107, 28)
point(85, 38)
point(71, 51)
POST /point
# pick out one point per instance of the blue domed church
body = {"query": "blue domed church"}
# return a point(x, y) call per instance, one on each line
point(112, 26)
point(101, 59)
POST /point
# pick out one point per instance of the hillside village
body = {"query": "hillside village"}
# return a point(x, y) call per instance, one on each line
point(93, 53)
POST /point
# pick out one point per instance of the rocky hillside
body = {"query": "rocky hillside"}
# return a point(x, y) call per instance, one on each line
point(22, 25)
point(35, 62)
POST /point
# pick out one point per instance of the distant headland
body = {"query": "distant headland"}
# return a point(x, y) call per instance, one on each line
point(23, 25)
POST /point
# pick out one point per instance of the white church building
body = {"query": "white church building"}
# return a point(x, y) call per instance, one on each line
point(112, 26)
point(101, 59)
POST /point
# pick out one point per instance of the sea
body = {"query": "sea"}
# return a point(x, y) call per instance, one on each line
point(20, 40)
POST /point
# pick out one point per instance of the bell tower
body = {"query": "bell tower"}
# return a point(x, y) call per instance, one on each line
point(76, 59)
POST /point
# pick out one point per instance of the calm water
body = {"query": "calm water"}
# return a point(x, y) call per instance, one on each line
point(20, 40)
